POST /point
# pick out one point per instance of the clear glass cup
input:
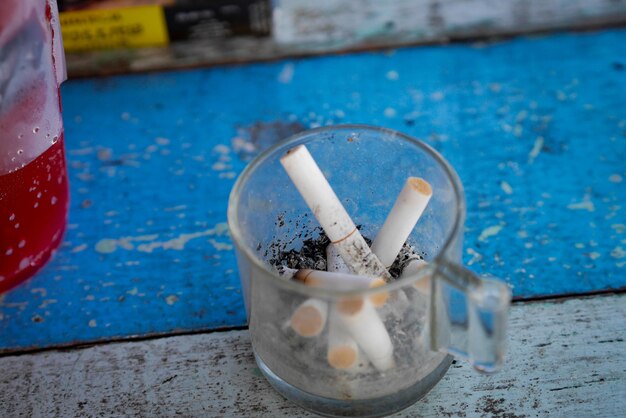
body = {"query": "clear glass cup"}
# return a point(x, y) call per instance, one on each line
point(33, 176)
point(440, 309)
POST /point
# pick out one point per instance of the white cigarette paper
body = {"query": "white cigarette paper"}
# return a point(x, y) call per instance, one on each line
point(343, 351)
point(342, 281)
point(405, 213)
point(362, 322)
point(411, 269)
point(309, 319)
point(336, 263)
point(359, 318)
point(330, 280)
point(330, 213)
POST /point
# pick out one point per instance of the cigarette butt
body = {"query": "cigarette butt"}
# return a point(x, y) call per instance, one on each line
point(343, 352)
point(309, 319)
point(411, 269)
point(406, 211)
point(363, 323)
point(342, 356)
point(336, 280)
point(378, 299)
point(336, 263)
point(330, 213)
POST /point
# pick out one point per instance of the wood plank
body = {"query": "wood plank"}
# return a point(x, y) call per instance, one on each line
point(302, 27)
point(566, 358)
point(353, 21)
point(534, 127)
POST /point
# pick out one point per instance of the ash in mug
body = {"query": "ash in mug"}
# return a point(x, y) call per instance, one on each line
point(362, 330)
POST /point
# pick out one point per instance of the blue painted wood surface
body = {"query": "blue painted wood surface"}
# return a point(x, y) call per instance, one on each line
point(535, 127)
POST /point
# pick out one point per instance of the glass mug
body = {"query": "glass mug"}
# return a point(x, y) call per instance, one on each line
point(33, 177)
point(437, 310)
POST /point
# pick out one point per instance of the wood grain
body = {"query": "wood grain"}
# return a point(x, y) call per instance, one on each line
point(349, 22)
point(565, 359)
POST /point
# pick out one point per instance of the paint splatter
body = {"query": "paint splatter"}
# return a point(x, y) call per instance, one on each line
point(219, 166)
point(615, 178)
point(506, 187)
point(220, 246)
point(79, 248)
point(104, 154)
point(171, 299)
point(534, 152)
point(108, 245)
point(227, 175)
point(586, 204)
point(618, 252)
point(619, 228)
point(286, 74)
point(594, 255)
point(179, 242)
point(392, 75)
point(437, 96)
point(221, 149)
point(476, 257)
point(47, 302)
point(93, 323)
point(390, 112)
point(39, 290)
point(489, 232)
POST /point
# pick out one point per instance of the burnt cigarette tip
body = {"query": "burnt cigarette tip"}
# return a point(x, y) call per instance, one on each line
point(292, 150)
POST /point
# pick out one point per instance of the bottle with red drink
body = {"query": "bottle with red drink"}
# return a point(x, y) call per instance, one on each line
point(33, 177)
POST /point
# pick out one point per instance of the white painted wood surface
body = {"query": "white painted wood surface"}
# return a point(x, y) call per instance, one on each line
point(566, 358)
point(305, 27)
point(354, 21)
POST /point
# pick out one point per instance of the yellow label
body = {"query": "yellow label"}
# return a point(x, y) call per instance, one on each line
point(125, 27)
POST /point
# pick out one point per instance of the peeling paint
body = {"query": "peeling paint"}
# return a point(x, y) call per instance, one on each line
point(506, 187)
point(534, 152)
point(584, 205)
point(179, 242)
point(109, 245)
point(489, 232)
point(286, 74)
point(618, 252)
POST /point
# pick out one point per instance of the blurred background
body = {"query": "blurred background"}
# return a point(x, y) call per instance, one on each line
point(114, 36)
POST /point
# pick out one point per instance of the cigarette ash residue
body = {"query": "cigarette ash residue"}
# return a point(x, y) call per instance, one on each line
point(303, 361)
point(312, 254)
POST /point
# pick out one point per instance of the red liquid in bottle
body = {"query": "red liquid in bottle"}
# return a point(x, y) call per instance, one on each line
point(33, 215)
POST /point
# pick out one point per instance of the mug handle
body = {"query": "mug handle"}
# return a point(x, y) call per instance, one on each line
point(469, 315)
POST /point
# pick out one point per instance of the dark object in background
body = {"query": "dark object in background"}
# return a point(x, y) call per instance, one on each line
point(100, 24)
point(209, 19)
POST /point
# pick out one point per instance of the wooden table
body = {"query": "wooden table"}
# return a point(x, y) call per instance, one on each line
point(140, 313)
